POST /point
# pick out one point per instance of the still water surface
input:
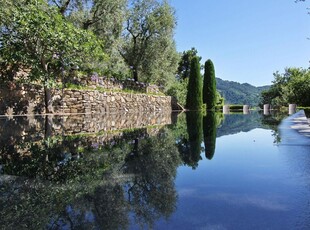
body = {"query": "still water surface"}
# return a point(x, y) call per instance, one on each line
point(202, 172)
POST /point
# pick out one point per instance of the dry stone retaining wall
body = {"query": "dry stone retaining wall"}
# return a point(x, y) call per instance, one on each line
point(92, 101)
point(30, 100)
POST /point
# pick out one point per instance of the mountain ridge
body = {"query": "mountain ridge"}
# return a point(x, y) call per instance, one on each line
point(240, 93)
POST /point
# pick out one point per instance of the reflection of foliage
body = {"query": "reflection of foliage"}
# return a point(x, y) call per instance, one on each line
point(153, 164)
point(81, 182)
point(209, 133)
point(235, 123)
point(190, 147)
point(111, 207)
point(54, 159)
point(179, 128)
point(272, 122)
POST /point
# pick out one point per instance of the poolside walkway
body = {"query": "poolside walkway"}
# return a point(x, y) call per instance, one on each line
point(300, 123)
point(295, 130)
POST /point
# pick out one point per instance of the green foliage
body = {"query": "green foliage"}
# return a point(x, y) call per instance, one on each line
point(209, 86)
point(178, 89)
point(185, 63)
point(43, 37)
point(219, 100)
point(291, 87)
point(194, 89)
point(105, 18)
point(148, 47)
point(38, 38)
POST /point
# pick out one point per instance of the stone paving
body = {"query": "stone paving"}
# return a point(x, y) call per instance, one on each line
point(301, 123)
point(295, 130)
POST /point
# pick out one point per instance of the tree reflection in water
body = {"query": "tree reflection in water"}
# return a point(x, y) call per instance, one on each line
point(190, 146)
point(151, 192)
point(99, 181)
point(82, 182)
point(209, 133)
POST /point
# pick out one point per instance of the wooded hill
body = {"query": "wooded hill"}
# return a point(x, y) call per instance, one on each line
point(237, 93)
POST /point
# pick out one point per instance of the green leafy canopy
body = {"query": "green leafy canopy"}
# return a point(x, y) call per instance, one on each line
point(36, 37)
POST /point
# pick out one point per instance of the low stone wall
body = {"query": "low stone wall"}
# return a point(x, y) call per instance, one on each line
point(92, 101)
point(25, 100)
point(21, 99)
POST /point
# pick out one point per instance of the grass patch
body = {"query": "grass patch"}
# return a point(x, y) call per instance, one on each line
point(104, 90)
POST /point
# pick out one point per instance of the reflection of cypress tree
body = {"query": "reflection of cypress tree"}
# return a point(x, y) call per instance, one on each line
point(192, 149)
point(209, 133)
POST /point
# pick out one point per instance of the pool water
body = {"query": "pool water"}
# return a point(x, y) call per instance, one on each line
point(203, 171)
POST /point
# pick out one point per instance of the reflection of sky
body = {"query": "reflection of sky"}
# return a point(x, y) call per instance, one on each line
point(247, 185)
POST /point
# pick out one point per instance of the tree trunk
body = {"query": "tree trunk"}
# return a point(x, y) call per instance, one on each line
point(48, 126)
point(64, 7)
point(135, 74)
point(48, 100)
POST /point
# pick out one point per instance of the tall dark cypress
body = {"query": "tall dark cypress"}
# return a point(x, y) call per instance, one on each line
point(194, 88)
point(209, 86)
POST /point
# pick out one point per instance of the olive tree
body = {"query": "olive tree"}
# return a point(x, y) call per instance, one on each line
point(36, 39)
point(105, 18)
point(148, 39)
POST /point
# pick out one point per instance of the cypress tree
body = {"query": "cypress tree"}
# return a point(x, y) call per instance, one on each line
point(209, 85)
point(194, 88)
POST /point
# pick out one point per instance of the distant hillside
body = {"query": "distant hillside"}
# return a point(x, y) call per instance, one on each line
point(236, 93)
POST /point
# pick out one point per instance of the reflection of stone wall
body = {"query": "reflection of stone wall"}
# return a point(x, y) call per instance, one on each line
point(95, 123)
point(18, 133)
point(30, 100)
point(32, 128)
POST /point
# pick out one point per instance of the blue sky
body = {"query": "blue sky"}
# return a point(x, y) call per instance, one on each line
point(247, 40)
